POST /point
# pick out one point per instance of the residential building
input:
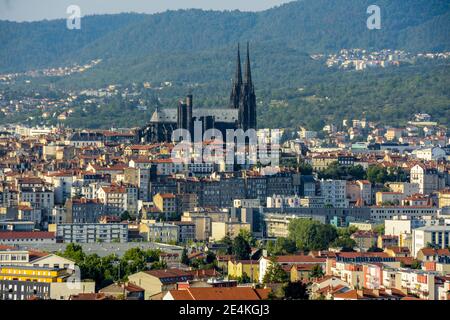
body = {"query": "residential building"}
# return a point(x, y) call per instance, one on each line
point(24, 237)
point(243, 268)
point(288, 261)
point(157, 283)
point(428, 179)
point(92, 232)
point(227, 228)
point(435, 236)
point(166, 203)
point(186, 231)
point(334, 193)
point(163, 232)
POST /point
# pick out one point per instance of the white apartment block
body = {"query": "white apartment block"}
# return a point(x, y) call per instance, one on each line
point(435, 235)
point(92, 232)
point(62, 185)
point(39, 198)
point(428, 179)
point(334, 193)
point(381, 213)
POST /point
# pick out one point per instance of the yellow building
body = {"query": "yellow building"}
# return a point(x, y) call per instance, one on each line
point(322, 162)
point(389, 197)
point(300, 272)
point(228, 228)
point(236, 269)
point(165, 202)
point(34, 274)
point(444, 198)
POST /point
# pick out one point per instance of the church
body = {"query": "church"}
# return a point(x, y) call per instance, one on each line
point(240, 113)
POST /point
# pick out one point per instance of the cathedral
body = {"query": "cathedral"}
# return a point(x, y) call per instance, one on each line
point(240, 114)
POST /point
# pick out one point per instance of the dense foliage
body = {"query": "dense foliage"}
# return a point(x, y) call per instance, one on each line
point(306, 234)
point(309, 25)
point(106, 270)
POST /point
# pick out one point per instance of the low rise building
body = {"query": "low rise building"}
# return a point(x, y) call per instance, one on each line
point(92, 232)
point(227, 228)
point(157, 283)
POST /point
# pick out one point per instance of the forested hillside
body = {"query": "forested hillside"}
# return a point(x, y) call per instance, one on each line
point(195, 50)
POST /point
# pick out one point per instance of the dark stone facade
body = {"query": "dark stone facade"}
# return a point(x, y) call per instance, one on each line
point(240, 114)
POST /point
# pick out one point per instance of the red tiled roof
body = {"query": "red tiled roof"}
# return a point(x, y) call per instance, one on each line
point(26, 235)
point(5, 248)
point(351, 294)
point(90, 296)
point(246, 262)
point(131, 287)
point(432, 252)
point(299, 259)
point(399, 249)
point(233, 293)
point(410, 298)
point(204, 273)
point(167, 195)
point(362, 254)
point(407, 261)
point(169, 273)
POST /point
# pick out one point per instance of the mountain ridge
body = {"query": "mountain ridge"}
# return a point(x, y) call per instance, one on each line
point(310, 26)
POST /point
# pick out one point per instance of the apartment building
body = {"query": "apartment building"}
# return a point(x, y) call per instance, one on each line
point(334, 193)
point(220, 229)
point(428, 179)
point(435, 236)
point(92, 232)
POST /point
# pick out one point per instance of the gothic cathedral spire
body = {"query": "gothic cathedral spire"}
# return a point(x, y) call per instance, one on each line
point(237, 83)
point(248, 71)
point(247, 101)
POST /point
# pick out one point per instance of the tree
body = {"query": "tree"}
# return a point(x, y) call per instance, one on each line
point(311, 235)
point(374, 249)
point(152, 255)
point(228, 243)
point(184, 257)
point(248, 236)
point(295, 291)
point(416, 264)
point(379, 229)
point(305, 168)
point(336, 171)
point(241, 248)
point(344, 242)
point(317, 272)
point(210, 258)
point(133, 260)
point(275, 273)
point(125, 216)
point(244, 278)
point(74, 252)
point(281, 246)
point(159, 265)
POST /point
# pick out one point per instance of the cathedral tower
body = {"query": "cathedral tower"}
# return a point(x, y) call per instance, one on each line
point(247, 101)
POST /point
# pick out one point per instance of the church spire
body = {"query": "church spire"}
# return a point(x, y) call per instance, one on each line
point(237, 83)
point(238, 75)
point(248, 71)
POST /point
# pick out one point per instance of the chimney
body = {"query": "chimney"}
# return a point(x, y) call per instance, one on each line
point(189, 110)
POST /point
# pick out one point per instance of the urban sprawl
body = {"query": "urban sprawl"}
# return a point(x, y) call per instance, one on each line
point(357, 211)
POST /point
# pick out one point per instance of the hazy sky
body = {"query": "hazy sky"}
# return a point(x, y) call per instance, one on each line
point(31, 10)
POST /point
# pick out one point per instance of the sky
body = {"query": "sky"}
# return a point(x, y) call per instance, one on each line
point(33, 10)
